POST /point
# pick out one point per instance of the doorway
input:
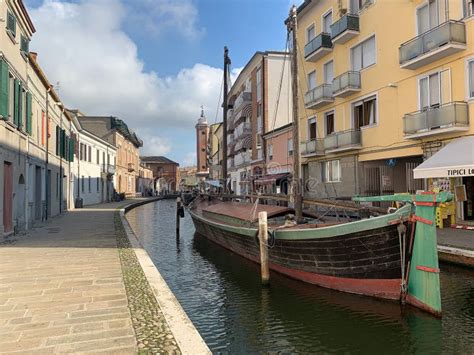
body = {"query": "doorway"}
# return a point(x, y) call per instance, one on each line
point(468, 205)
point(38, 206)
point(7, 197)
point(48, 194)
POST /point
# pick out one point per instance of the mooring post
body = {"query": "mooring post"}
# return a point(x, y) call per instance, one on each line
point(178, 215)
point(263, 238)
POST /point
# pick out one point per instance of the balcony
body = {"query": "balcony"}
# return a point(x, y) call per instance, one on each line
point(243, 98)
point(131, 168)
point(450, 117)
point(346, 84)
point(345, 28)
point(343, 141)
point(318, 47)
point(319, 96)
point(312, 147)
point(242, 159)
point(230, 163)
point(243, 129)
point(437, 43)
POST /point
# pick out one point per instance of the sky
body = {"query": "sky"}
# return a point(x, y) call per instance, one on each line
point(152, 63)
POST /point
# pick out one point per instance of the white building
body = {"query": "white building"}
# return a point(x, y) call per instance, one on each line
point(93, 170)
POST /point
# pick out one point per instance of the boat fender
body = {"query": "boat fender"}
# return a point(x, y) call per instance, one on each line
point(181, 211)
point(271, 238)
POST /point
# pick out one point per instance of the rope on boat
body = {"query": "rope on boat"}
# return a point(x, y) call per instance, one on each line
point(402, 231)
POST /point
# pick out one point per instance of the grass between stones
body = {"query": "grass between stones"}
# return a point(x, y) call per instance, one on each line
point(151, 329)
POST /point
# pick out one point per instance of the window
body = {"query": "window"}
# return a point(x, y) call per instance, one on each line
point(470, 76)
point(327, 22)
point(98, 184)
point(328, 72)
point(331, 171)
point(329, 120)
point(43, 128)
point(427, 16)
point(290, 147)
point(259, 110)
point(430, 91)
point(363, 55)
point(259, 84)
point(364, 112)
point(312, 129)
point(357, 5)
point(4, 89)
point(259, 124)
point(270, 151)
point(311, 80)
point(24, 45)
point(98, 157)
point(82, 183)
point(310, 33)
point(90, 154)
point(202, 132)
point(89, 184)
point(11, 24)
point(57, 185)
point(467, 8)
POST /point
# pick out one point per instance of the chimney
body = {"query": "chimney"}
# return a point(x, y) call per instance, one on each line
point(34, 55)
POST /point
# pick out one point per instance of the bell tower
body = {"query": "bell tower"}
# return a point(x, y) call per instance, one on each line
point(202, 136)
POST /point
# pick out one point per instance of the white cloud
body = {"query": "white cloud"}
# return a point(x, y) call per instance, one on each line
point(190, 159)
point(155, 145)
point(84, 47)
point(160, 16)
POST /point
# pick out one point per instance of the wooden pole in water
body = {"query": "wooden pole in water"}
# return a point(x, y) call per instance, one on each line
point(178, 216)
point(263, 238)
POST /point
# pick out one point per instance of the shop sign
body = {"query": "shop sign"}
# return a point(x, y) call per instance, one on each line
point(461, 172)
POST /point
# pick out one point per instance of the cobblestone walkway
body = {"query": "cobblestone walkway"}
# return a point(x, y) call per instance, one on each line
point(62, 289)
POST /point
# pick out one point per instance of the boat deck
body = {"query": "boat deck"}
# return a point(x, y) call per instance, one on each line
point(245, 211)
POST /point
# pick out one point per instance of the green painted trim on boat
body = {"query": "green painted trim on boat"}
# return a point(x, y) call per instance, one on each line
point(322, 232)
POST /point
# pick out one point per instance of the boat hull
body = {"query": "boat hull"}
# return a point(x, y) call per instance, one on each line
point(364, 262)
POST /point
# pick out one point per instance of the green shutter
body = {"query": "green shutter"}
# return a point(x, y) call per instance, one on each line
point(63, 143)
point(11, 23)
point(4, 88)
point(16, 112)
point(20, 105)
point(72, 149)
point(28, 113)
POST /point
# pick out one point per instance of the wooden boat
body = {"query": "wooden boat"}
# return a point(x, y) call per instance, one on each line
point(367, 256)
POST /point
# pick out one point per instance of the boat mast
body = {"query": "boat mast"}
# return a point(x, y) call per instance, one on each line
point(225, 106)
point(297, 191)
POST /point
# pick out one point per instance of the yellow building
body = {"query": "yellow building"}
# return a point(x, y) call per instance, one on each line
point(215, 150)
point(387, 84)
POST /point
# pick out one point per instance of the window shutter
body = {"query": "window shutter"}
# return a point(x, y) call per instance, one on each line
point(28, 113)
point(16, 112)
point(20, 105)
point(4, 88)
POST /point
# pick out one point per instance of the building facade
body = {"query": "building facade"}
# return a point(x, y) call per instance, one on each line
point(260, 100)
point(215, 151)
point(146, 182)
point(116, 132)
point(382, 92)
point(165, 173)
point(35, 131)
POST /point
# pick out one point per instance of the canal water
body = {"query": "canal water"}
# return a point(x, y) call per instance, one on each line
point(222, 295)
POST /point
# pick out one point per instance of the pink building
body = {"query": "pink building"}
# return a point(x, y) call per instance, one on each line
point(278, 160)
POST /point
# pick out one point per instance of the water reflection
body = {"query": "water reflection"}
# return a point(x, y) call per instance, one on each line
point(223, 296)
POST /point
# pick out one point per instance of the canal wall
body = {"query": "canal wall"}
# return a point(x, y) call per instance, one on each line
point(188, 338)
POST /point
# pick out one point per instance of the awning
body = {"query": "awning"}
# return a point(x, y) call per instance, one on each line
point(270, 179)
point(215, 183)
point(456, 159)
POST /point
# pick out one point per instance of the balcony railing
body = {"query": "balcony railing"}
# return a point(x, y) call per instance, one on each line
point(244, 97)
point(345, 140)
point(346, 84)
point(242, 158)
point(318, 47)
point(242, 129)
point(345, 28)
point(453, 116)
point(318, 96)
point(312, 147)
point(441, 41)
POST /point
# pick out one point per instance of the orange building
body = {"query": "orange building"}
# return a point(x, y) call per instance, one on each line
point(165, 173)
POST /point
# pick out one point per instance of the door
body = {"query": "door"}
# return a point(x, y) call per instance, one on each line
point(48, 193)
point(469, 203)
point(7, 197)
point(38, 185)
